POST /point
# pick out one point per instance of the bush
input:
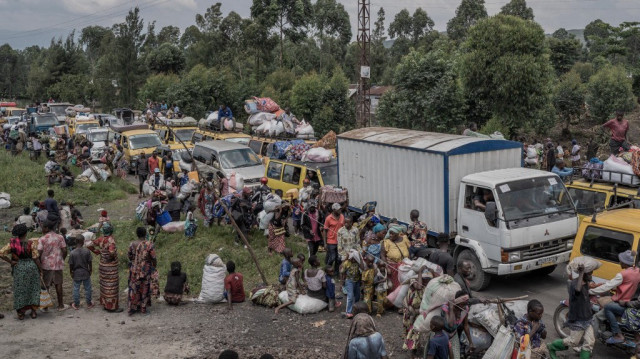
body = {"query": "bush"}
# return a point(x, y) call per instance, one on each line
point(609, 90)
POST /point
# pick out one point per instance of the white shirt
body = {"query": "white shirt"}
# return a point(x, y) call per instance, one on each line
point(608, 285)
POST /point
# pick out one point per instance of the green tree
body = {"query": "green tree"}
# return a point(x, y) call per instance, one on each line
point(565, 50)
point(427, 94)
point(10, 73)
point(506, 68)
point(278, 86)
point(518, 8)
point(569, 98)
point(306, 96)
point(585, 70)
point(167, 58)
point(127, 66)
point(609, 90)
point(467, 14)
point(379, 54)
point(409, 30)
point(289, 17)
point(170, 34)
point(155, 87)
point(337, 112)
point(72, 88)
point(333, 29)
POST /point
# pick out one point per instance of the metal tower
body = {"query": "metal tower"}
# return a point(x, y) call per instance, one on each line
point(363, 105)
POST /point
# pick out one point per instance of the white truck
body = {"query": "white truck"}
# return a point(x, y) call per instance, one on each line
point(529, 220)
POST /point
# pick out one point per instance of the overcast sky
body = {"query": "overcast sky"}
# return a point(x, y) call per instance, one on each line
point(28, 22)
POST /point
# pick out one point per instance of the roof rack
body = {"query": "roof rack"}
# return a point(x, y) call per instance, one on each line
point(120, 129)
point(626, 179)
point(284, 138)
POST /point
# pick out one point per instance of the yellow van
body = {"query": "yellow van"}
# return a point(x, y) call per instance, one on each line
point(611, 233)
point(183, 129)
point(136, 139)
point(82, 126)
point(203, 134)
point(287, 175)
point(592, 196)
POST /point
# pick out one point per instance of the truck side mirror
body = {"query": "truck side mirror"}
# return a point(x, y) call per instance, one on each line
point(491, 213)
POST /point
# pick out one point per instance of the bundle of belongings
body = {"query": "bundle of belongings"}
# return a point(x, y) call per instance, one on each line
point(623, 168)
point(266, 118)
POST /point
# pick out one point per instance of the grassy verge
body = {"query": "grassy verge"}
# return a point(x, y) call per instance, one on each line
point(173, 247)
point(25, 181)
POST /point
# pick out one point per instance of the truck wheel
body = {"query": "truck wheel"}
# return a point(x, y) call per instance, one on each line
point(546, 270)
point(481, 279)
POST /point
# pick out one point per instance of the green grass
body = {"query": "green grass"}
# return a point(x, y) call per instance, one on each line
point(191, 253)
point(26, 182)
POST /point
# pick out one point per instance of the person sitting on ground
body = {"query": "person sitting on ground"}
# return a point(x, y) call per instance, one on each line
point(27, 219)
point(285, 266)
point(364, 340)
point(462, 277)
point(562, 171)
point(438, 347)
point(316, 280)
point(531, 324)
point(176, 284)
point(80, 268)
point(295, 285)
point(233, 285)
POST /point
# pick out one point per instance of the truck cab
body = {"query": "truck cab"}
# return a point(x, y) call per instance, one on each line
point(42, 122)
point(606, 235)
point(59, 109)
point(182, 128)
point(136, 139)
point(512, 221)
point(100, 138)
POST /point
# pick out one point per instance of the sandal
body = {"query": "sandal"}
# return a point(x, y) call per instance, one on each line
point(34, 315)
point(20, 316)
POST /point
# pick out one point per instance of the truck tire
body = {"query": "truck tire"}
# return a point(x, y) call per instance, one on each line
point(481, 278)
point(546, 270)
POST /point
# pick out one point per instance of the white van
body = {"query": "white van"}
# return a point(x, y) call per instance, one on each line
point(225, 156)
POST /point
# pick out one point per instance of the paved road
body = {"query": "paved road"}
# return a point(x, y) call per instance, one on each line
point(549, 290)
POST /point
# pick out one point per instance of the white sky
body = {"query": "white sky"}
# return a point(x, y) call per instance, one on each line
point(27, 22)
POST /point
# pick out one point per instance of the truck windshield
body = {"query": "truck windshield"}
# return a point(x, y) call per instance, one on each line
point(46, 121)
point(185, 134)
point(144, 141)
point(58, 110)
point(534, 197)
point(239, 158)
point(86, 126)
point(97, 136)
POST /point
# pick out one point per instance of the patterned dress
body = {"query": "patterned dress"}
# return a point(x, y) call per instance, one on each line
point(411, 305)
point(108, 271)
point(26, 276)
point(368, 287)
point(142, 276)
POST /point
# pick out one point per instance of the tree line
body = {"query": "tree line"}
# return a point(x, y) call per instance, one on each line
point(501, 72)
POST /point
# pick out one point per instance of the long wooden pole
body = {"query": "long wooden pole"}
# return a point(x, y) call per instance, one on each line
point(226, 210)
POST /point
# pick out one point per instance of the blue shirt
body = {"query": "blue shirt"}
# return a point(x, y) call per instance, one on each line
point(285, 270)
point(562, 173)
point(331, 287)
point(439, 346)
point(225, 112)
point(371, 347)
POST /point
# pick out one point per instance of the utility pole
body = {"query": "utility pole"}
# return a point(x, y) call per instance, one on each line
point(363, 105)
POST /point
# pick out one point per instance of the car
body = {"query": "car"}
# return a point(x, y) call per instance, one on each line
point(107, 119)
point(591, 196)
point(136, 139)
point(81, 127)
point(183, 128)
point(227, 157)
point(605, 235)
point(287, 175)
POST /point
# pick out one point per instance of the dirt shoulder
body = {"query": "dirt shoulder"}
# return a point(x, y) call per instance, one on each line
point(189, 331)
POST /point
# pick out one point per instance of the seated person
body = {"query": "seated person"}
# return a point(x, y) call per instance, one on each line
point(562, 171)
point(480, 200)
point(176, 284)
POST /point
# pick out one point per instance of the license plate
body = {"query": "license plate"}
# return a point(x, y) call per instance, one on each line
point(546, 262)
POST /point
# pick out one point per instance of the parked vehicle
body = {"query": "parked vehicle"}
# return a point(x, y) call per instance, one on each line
point(82, 126)
point(99, 137)
point(503, 218)
point(203, 134)
point(59, 110)
point(42, 122)
point(228, 157)
point(136, 139)
point(176, 153)
point(287, 175)
point(107, 119)
point(183, 128)
point(590, 196)
point(125, 116)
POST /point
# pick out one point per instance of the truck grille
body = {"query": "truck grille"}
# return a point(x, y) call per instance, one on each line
point(544, 249)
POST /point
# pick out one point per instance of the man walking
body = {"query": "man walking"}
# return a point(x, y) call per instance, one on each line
point(332, 225)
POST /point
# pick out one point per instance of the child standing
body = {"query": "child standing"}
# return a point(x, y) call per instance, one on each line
point(233, 285)
point(190, 226)
point(438, 347)
point(368, 280)
point(176, 284)
point(80, 269)
point(285, 266)
point(331, 288)
point(351, 275)
point(382, 285)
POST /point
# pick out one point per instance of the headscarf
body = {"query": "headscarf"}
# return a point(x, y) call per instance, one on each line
point(369, 206)
point(18, 231)
point(354, 254)
point(378, 228)
point(362, 326)
point(627, 258)
point(107, 229)
point(396, 229)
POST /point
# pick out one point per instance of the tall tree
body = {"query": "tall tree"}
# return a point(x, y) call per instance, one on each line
point(379, 53)
point(565, 50)
point(518, 8)
point(467, 14)
point(569, 98)
point(409, 30)
point(289, 17)
point(129, 40)
point(608, 90)
point(170, 34)
point(333, 29)
point(506, 67)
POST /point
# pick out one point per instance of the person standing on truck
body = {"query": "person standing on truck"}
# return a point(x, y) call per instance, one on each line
point(619, 127)
point(332, 225)
point(579, 317)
